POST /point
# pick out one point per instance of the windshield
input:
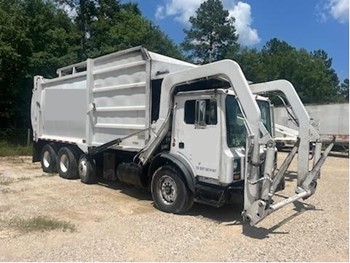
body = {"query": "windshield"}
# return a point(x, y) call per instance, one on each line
point(264, 107)
point(236, 130)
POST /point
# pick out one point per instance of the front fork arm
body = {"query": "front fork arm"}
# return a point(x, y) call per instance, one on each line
point(262, 207)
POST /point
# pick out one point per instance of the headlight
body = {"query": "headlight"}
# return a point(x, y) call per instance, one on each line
point(236, 169)
point(236, 165)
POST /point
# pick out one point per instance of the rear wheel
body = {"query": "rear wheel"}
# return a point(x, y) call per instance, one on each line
point(87, 169)
point(169, 191)
point(48, 159)
point(67, 166)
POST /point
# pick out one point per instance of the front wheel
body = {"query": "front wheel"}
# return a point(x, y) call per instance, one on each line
point(169, 191)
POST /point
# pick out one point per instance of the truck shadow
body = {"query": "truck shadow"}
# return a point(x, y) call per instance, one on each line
point(230, 215)
point(227, 215)
point(132, 191)
point(257, 232)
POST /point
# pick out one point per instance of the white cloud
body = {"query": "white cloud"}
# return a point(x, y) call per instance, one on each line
point(248, 36)
point(159, 12)
point(337, 9)
point(182, 10)
point(71, 11)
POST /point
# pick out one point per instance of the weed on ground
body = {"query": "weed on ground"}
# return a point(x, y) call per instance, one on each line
point(41, 223)
point(5, 180)
point(8, 149)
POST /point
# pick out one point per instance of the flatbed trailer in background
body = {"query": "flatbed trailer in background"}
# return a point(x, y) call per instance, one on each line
point(330, 120)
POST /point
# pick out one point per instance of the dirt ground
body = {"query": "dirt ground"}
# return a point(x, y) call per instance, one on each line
point(114, 222)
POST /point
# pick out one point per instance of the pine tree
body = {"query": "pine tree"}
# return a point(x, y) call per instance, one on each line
point(212, 34)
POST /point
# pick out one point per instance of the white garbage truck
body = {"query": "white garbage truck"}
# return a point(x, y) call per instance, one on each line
point(187, 133)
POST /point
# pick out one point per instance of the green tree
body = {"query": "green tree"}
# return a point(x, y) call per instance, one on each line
point(311, 73)
point(321, 56)
point(38, 36)
point(278, 58)
point(35, 39)
point(251, 64)
point(107, 26)
point(343, 90)
point(53, 35)
point(87, 13)
point(15, 50)
point(134, 30)
point(212, 35)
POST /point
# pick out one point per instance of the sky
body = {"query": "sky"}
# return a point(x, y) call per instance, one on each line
point(309, 24)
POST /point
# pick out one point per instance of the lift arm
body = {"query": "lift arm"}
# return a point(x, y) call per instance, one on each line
point(307, 181)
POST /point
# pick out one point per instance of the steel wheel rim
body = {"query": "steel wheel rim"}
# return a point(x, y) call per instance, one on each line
point(82, 167)
point(64, 163)
point(167, 189)
point(46, 159)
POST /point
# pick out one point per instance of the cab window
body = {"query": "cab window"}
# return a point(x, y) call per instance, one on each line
point(201, 112)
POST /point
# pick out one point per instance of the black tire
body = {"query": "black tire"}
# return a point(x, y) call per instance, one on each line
point(169, 191)
point(87, 169)
point(48, 158)
point(67, 165)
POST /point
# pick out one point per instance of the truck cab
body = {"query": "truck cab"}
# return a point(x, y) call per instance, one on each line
point(209, 133)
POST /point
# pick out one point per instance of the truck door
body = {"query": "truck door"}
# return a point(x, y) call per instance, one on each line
point(196, 133)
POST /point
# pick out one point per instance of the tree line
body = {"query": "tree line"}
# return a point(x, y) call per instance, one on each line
point(39, 36)
point(212, 36)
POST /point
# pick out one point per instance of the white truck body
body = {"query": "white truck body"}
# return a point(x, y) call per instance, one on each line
point(110, 99)
point(188, 133)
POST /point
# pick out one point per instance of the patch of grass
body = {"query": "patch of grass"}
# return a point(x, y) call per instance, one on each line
point(41, 223)
point(23, 178)
point(7, 149)
point(46, 175)
point(6, 180)
point(7, 191)
point(50, 174)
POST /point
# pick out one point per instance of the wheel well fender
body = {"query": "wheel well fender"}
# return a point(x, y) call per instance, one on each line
point(177, 161)
point(38, 147)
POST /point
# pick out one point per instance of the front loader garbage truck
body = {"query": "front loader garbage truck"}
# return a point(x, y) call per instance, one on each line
point(187, 133)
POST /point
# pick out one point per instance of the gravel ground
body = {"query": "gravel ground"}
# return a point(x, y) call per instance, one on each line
point(115, 222)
